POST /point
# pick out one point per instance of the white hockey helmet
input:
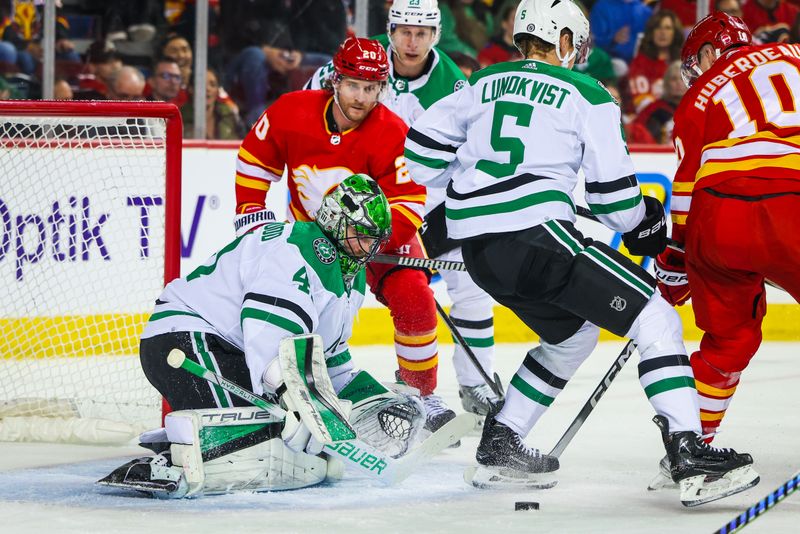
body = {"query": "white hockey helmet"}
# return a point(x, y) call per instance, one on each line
point(415, 13)
point(546, 18)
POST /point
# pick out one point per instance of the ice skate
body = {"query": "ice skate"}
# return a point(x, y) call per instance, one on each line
point(663, 480)
point(504, 461)
point(704, 473)
point(478, 400)
point(154, 475)
point(437, 414)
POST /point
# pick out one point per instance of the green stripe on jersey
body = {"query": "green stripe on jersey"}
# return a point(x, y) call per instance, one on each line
point(277, 320)
point(432, 163)
point(620, 205)
point(531, 392)
point(171, 313)
point(668, 384)
point(509, 206)
point(208, 269)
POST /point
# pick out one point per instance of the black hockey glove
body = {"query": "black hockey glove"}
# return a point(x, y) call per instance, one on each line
point(650, 237)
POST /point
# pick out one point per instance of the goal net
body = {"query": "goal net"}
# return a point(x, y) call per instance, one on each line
point(89, 235)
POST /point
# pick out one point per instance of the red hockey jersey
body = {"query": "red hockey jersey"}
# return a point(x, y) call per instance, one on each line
point(740, 119)
point(293, 133)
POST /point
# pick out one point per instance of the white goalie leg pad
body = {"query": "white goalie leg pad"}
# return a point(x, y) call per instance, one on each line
point(387, 419)
point(237, 449)
point(309, 391)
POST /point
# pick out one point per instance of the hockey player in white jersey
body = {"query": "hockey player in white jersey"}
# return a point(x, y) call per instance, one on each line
point(230, 316)
point(419, 75)
point(509, 147)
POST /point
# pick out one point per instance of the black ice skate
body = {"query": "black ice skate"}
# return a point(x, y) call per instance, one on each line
point(504, 461)
point(437, 414)
point(478, 400)
point(704, 473)
point(153, 475)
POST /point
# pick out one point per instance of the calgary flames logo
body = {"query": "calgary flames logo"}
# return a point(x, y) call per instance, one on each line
point(312, 183)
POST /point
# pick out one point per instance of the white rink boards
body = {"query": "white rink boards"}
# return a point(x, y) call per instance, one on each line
point(603, 477)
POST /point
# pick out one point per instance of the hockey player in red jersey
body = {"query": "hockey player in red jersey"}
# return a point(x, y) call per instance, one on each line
point(323, 136)
point(735, 197)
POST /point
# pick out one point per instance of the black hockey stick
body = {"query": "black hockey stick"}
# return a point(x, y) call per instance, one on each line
point(586, 213)
point(762, 506)
point(599, 391)
point(494, 384)
point(425, 263)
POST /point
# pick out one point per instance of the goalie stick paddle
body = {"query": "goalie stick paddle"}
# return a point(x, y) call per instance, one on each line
point(493, 383)
point(762, 506)
point(354, 453)
point(594, 398)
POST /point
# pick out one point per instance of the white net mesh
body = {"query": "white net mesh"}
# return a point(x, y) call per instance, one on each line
point(82, 230)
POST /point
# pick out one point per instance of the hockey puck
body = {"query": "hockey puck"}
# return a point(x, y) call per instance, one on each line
point(525, 505)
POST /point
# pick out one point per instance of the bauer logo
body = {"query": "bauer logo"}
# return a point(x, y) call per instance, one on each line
point(75, 229)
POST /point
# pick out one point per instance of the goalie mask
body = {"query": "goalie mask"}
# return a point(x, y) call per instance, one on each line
point(546, 18)
point(356, 217)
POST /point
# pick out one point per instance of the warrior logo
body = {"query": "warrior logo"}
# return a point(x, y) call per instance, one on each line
point(324, 250)
point(618, 303)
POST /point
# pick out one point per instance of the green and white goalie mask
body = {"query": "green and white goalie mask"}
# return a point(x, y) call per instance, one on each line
point(356, 217)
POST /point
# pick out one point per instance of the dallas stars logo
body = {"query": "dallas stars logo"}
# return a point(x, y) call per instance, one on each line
point(325, 251)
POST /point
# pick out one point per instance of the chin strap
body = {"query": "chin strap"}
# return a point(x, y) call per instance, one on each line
point(565, 60)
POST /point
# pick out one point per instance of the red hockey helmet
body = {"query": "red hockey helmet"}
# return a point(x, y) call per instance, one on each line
point(362, 58)
point(720, 30)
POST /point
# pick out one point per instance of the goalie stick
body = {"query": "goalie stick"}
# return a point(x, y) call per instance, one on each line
point(762, 506)
point(594, 398)
point(354, 453)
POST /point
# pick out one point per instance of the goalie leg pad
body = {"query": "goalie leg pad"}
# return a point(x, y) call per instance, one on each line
point(237, 449)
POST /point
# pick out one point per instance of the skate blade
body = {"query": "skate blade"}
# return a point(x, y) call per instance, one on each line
point(660, 482)
point(696, 491)
point(158, 490)
point(483, 477)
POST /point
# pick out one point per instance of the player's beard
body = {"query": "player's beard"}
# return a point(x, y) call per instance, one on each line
point(355, 111)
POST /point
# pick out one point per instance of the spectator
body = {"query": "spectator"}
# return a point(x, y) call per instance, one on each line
point(128, 84)
point(616, 25)
point(62, 90)
point(222, 115)
point(176, 46)
point(134, 25)
point(450, 41)
point(771, 21)
point(102, 63)
point(25, 32)
point(686, 10)
point(599, 65)
point(165, 81)
point(467, 64)
point(661, 44)
point(654, 123)
point(317, 26)
point(731, 7)
point(501, 46)
point(473, 21)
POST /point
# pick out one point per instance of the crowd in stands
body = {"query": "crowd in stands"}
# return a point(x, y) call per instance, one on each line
point(260, 49)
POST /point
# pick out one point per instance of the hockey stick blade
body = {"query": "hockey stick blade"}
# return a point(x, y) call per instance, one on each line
point(762, 506)
point(594, 398)
point(424, 263)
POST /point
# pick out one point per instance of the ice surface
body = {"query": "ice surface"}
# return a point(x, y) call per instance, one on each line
point(601, 488)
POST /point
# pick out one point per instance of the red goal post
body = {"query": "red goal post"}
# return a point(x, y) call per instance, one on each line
point(89, 234)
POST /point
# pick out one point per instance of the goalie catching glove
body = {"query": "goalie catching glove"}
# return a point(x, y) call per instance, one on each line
point(649, 238)
point(673, 283)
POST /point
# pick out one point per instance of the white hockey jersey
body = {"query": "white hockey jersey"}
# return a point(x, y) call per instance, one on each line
point(513, 142)
point(281, 280)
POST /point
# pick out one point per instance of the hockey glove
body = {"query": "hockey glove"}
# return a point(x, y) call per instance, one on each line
point(297, 436)
point(650, 237)
point(248, 221)
point(670, 270)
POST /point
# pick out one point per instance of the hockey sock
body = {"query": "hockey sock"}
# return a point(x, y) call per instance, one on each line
point(477, 329)
point(544, 372)
point(410, 301)
point(664, 369)
point(715, 390)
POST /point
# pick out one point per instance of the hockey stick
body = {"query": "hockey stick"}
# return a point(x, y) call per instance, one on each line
point(494, 384)
point(425, 263)
point(355, 452)
point(586, 213)
point(594, 398)
point(762, 506)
